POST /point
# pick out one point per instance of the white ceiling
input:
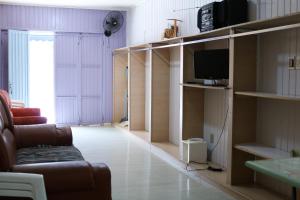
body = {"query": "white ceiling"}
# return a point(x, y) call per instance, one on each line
point(88, 4)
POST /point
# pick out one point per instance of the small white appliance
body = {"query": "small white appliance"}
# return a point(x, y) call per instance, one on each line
point(194, 150)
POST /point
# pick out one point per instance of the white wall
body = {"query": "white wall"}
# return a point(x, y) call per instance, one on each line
point(273, 8)
point(174, 115)
point(146, 22)
point(147, 91)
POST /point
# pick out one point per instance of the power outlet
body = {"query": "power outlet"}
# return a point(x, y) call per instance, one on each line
point(292, 62)
point(211, 138)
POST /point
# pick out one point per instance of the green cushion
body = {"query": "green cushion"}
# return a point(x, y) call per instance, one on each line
point(295, 153)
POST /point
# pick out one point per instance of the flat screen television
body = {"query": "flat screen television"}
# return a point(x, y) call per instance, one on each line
point(211, 64)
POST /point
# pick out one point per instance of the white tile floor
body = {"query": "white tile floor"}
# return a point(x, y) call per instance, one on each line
point(137, 174)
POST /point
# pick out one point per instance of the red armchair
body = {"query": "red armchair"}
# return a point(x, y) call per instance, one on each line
point(23, 116)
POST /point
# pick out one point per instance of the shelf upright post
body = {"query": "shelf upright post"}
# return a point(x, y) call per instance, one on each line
point(230, 105)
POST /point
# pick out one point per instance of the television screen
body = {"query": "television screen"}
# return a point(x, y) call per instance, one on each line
point(211, 64)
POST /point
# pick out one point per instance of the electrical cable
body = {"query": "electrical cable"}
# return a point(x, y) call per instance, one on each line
point(222, 131)
point(196, 169)
point(209, 167)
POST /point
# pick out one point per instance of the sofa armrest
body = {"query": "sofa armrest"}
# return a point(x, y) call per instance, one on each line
point(102, 179)
point(23, 112)
point(68, 176)
point(44, 134)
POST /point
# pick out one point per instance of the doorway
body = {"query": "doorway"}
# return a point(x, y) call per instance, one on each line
point(41, 73)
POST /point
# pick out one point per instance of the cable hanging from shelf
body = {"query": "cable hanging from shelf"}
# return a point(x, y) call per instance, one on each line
point(211, 150)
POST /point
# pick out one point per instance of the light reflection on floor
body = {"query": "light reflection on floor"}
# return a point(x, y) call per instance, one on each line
point(137, 174)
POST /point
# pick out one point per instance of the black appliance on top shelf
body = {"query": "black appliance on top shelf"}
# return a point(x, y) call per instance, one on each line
point(220, 14)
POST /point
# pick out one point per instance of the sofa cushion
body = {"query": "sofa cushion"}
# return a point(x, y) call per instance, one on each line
point(47, 153)
point(29, 120)
point(26, 112)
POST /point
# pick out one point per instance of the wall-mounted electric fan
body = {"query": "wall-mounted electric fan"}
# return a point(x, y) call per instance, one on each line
point(112, 23)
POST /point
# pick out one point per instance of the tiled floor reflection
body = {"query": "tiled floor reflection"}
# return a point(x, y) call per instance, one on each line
point(137, 174)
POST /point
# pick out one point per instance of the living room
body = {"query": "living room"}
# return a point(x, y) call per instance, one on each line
point(149, 99)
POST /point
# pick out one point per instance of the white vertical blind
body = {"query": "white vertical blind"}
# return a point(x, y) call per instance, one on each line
point(18, 65)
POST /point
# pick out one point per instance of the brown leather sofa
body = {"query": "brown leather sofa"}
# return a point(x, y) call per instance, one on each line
point(63, 180)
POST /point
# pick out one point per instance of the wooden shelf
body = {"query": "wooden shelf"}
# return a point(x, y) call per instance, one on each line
point(225, 31)
point(118, 125)
point(269, 96)
point(120, 84)
point(144, 135)
point(257, 192)
point(121, 50)
point(168, 147)
point(269, 23)
point(204, 86)
point(263, 151)
point(248, 191)
point(175, 40)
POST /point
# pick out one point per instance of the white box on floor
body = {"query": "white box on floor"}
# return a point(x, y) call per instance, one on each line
point(194, 150)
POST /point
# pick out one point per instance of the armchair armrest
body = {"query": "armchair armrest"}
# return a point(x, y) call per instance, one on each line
point(19, 185)
point(69, 176)
point(44, 134)
point(23, 112)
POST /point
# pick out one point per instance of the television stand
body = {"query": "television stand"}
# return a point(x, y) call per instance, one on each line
point(217, 82)
point(208, 82)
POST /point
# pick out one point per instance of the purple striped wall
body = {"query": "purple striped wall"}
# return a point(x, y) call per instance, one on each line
point(68, 21)
point(52, 19)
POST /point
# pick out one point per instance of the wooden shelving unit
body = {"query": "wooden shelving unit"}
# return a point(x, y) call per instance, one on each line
point(251, 103)
point(204, 86)
point(195, 96)
point(263, 151)
point(120, 83)
point(244, 191)
point(165, 98)
point(160, 95)
point(139, 106)
point(168, 147)
point(269, 96)
point(162, 102)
